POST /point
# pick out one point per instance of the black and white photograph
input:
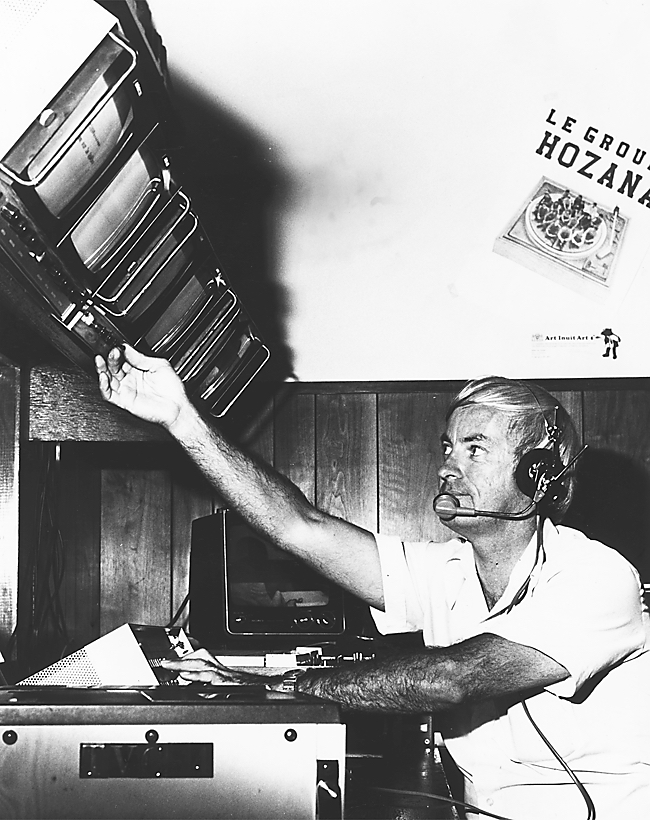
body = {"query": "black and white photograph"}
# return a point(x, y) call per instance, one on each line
point(324, 410)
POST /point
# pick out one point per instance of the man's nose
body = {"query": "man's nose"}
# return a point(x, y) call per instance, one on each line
point(449, 469)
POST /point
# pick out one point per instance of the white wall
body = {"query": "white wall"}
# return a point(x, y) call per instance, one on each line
point(411, 127)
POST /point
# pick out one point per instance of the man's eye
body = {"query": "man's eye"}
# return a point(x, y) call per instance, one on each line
point(446, 450)
point(475, 450)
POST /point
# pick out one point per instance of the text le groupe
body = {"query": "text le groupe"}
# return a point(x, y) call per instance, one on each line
point(596, 164)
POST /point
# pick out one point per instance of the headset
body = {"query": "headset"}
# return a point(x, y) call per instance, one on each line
point(538, 475)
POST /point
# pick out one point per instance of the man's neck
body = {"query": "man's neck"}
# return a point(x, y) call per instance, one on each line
point(496, 553)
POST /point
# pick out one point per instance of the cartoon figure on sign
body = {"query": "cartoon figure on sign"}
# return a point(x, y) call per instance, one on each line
point(612, 341)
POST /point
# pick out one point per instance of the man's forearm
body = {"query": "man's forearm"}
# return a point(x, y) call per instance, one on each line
point(149, 388)
point(414, 682)
point(276, 508)
point(437, 678)
point(264, 497)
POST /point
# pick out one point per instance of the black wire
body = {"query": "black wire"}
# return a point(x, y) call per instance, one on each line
point(180, 609)
point(521, 593)
point(591, 809)
point(454, 802)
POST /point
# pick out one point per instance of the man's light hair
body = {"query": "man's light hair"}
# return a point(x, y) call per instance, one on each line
point(532, 411)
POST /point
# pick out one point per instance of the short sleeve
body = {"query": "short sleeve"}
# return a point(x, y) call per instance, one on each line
point(587, 616)
point(401, 611)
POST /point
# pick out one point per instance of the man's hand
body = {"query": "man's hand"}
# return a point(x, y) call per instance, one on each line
point(201, 667)
point(146, 386)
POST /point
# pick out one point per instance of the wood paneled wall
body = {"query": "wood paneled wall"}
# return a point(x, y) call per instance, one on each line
point(368, 453)
point(9, 460)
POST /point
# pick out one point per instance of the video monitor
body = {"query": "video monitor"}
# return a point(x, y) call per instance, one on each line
point(153, 262)
point(194, 308)
point(120, 210)
point(220, 399)
point(77, 135)
point(226, 358)
point(244, 589)
point(207, 341)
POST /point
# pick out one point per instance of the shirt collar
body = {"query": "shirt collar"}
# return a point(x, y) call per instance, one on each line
point(523, 579)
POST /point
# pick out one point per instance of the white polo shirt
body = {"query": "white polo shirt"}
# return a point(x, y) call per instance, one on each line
point(583, 608)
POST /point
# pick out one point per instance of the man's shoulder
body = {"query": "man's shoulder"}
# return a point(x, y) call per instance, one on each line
point(574, 540)
point(572, 546)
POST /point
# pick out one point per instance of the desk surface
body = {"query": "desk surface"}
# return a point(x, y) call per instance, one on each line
point(168, 704)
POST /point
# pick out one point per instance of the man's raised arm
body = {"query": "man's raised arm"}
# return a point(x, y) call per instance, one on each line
point(149, 388)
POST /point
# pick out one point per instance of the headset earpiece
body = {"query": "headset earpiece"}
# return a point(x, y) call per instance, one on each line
point(538, 469)
point(535, 471)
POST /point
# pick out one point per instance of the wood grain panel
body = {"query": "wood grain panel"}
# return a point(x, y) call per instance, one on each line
point(31, 500)
point(252, 426)
point(261, 444)
point(79, 476)
point(619, 420)
point(192, 497)
point(346, 457)
point(64, 404)
point(9, 458)
point(572, 402)
point(295, 442)
point(613, 499)
point(410, 426)
point(135, 548)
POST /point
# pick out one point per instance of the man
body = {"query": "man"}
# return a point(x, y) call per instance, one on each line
point(535, 647)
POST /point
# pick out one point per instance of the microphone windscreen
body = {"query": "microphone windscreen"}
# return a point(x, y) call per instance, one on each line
point(446, 506)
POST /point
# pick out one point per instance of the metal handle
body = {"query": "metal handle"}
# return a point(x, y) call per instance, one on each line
point(101, 103)
point(136, 272)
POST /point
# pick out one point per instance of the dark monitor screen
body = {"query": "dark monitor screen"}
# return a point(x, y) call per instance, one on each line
point(245, 590)
point(260, 576)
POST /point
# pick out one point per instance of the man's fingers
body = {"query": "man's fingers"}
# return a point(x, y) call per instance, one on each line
point(199, 654)
point(200, 665)
point(192, 665)
point(104, 384)
point(114, 361)
point(200, 660)
point(133, 357)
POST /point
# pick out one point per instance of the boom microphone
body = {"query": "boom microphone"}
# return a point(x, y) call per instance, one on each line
point(447, 506)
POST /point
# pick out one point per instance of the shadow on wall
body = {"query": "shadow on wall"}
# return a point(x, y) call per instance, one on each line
point(238, 189)
point(611, 505)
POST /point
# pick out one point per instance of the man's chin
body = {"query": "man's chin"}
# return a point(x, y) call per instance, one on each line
point(465, 524)
point(462, 525)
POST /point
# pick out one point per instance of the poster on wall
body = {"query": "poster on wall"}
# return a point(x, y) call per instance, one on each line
point(550, 142)
point(591, 240)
